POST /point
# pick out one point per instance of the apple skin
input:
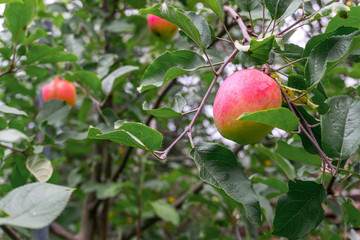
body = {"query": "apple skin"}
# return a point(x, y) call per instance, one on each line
point(161, 28)
point(60, 89)
point(244, 91)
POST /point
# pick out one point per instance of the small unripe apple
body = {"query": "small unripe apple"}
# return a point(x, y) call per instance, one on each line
point(60, 89)
point(162, 28)
point(244, 91)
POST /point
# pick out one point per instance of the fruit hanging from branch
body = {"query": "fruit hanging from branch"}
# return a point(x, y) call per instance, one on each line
point(244, 91)
point(60, 89)
point(161, 28)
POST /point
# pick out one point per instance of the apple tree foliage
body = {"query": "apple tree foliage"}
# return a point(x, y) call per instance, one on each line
point(139, 157)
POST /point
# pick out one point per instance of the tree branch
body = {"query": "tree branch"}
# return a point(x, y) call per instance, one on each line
point(10, 232)
point(57, 229)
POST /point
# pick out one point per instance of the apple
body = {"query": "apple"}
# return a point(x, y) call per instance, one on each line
point(162, 28)
point(60, 89)
point(247, 90)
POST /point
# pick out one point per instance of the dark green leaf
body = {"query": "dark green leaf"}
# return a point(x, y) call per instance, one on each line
point(352, 215)
point(18, 16)
point(131, 134)
point(352, 19)
point(319, 99)
point(169, 66)
point(278, 8)
point(258, 52)
point(38, 72)
point(297, 154)
point(14, 86)
point(299, 211)
point(84, 110)
point(218, 166)
point(326, 54)
point(110, 81)
point(341, 127)
point(281, 118)
point(192, 24)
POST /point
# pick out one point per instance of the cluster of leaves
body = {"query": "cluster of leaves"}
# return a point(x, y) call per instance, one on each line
point(136, 101)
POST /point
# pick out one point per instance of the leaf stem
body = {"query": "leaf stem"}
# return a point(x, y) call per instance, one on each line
point(289, 64)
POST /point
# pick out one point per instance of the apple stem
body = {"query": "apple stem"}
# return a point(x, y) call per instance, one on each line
point(211, 65)
point(198, 110)
point(240, 22)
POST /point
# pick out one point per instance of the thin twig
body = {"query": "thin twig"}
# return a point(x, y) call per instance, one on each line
point(289, 64)
point(10, 232)
point(188, 128)
point(14, 149)
point(238, 19)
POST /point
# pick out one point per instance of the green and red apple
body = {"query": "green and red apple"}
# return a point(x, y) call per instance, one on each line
point(161, 28)
point(60, 89)
point(244, 91)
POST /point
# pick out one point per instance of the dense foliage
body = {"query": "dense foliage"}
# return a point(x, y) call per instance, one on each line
point(138, 155)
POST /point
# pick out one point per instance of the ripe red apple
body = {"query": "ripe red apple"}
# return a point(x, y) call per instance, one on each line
point(60, 89)
point(244, 91)
point(162, 28)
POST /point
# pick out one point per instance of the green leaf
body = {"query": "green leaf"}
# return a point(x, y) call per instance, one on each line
point(327, 53)
point(11, 110)
point(6, 53)
point(291, 8)
point(89, 79)
point(336, 7)
point(315, 40)
point(11, 1)
point(340, 127)
point(12, 136)
point(216, 6)
point(44, 203)
point(281, 162)
point(53, 111)
point(190, 23)
point(281, 118)
point(169, 66)
point(278, 8)
point(3, 124)
point(13, 85)
point(131, 134)
point(110, 81)
point(271, 182)
point(38, 72)
point(167, 112)
point(352, 19)
point(46, 54)
point(40, 167)
point(39, 33)
point(18, 16)
point(297, 154)
point(247, 5)
point(299, 211)
point(352, 215)
point(218, 166)
point(258, 53)
point(166, 211)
